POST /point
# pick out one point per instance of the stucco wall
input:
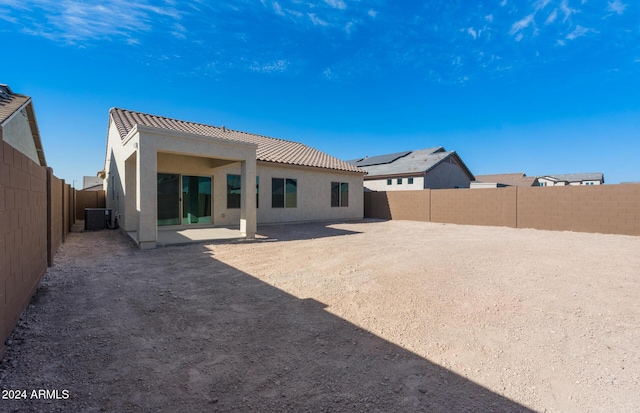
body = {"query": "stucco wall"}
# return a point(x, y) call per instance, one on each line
point(314, 189)
point(381, 184)
point(446, 175)
point(17, 133)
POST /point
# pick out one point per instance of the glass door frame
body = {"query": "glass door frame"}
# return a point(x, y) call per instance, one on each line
point(181, 222)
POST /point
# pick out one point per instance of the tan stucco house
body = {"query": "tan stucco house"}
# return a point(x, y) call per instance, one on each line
point(168, 173)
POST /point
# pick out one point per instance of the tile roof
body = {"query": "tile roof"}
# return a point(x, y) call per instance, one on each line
point(10, 102)
point(578, 177)
point(512, 179)
point(269, 149)
point(418, 162)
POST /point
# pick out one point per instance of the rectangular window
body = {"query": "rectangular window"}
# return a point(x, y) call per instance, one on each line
point(399, 181)
point(339, 194)
point(233, 191)
point(257, 191)
point(388, 181)
point(410, 181)
point(284, 193)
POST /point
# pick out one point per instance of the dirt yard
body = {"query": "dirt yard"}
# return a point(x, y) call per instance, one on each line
point(370, 316)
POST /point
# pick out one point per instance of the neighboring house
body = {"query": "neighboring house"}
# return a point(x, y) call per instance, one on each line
point(19, 126)
point(162, 172)
point(433, 168)
point(593, 178)
point(93, 188)
point(89, 182)
point(502, 180)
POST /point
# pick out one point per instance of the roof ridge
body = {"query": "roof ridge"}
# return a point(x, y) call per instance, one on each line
point(202, 124)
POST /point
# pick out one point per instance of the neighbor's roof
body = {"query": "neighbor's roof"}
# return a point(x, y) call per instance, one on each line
point(269, 149)
point(512, 179)
point(402, 163)
point(579, 177)
point(10, 102)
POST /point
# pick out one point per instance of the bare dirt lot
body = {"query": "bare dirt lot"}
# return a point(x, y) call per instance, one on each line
point(354, 317)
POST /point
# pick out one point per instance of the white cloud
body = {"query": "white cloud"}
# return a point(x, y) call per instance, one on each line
point(472, 32)
point(277, 8)
point(521, 24)
point(316, 20)
point(552, 17)
point(519, 37)
point(541, 4)
point(503, 3)
point(179, 31)
point(372, 13)
point(568, 11)
point(271, 67)
point(489, 18)
point(579, 31)
point(348, 27)
point(74, 20)
point(336, 4)
point(616, 6)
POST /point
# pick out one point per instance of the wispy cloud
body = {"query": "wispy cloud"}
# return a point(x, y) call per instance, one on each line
point(568, 11)
point(336, 4)
point(372, 13)
point(316, 20)
point(276, 66)
point(522, 24)
point(552, 17)
point(579, 31)
point(472, 32)
point(616, 6)
point(277, 8)
point(74, 20)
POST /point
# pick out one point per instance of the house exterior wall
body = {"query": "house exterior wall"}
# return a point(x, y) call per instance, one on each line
point(446, 175)
point(313, 196)
point(17, 133)
point(381, 184)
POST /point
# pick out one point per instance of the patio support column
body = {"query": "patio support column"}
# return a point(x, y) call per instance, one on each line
point(147, 194)
point(130, 221)
point(248, 198)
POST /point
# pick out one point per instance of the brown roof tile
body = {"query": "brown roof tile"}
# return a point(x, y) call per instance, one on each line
point(10, 103)
point(269, 149)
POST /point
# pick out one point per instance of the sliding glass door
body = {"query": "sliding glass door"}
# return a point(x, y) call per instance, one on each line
point(196, 200)
point(184, 199)
point(168, 199)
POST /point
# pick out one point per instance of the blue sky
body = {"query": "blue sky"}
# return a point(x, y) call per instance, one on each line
point(541, 87)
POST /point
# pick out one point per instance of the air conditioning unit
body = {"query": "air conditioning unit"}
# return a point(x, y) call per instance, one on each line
point(96, 219)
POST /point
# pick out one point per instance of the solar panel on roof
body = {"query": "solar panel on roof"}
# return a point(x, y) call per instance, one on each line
point(382, 159)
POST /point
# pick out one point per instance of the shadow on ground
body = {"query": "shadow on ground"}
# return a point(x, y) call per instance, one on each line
point(174, 329)
point(302, 231)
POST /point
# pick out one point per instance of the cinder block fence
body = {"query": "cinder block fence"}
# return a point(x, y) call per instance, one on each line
point(36, 214)
point(608, 209)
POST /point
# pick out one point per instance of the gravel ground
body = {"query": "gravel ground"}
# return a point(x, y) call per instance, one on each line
point(356, 317)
